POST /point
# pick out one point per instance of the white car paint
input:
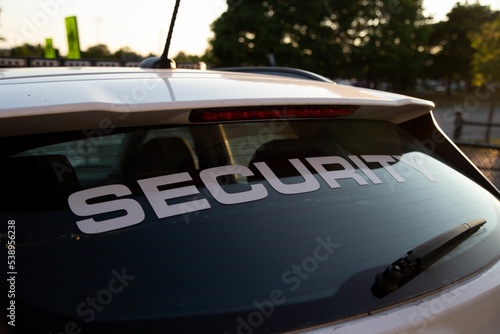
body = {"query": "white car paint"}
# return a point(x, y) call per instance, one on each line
point(470, 306)
point(63, 94)
point(41, 100)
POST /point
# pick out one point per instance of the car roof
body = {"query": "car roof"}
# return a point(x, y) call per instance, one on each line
point(278, 71)
point(52, 99)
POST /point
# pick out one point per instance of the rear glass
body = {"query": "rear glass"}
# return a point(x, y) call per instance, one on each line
point(263, 226)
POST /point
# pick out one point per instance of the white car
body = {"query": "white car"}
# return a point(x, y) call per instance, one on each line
point(184, 201)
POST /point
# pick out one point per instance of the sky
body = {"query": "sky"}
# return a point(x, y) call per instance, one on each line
point(140, 25)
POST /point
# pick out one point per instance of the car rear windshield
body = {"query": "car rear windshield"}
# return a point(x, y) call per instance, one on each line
point(239, 227)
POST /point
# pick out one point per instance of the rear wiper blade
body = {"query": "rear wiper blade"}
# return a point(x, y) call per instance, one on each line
point(421, 257)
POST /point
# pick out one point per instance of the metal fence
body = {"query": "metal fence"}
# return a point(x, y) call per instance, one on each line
point(486, 158)
point(470, 130)
point(475, 140)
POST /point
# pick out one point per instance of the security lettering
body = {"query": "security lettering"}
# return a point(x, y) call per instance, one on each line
point(157, 198)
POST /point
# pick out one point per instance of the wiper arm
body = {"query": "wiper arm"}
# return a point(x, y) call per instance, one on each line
point(421, 257)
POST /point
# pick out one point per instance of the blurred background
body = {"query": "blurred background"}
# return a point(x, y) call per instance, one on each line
point(445, 51)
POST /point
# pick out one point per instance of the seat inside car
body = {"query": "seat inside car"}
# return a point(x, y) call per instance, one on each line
point(160, 156)
point(276, 153)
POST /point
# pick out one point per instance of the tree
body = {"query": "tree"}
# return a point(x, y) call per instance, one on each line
point(486, 62)
point(486, 58)
point(182, 57)
point(126, 54)
point(27, 50)
point(391, 43)
point(99, 51)
point(289, 31)
point(335, 38)
point(451, 45)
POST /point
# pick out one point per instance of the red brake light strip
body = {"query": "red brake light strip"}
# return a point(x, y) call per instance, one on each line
point(265, 113)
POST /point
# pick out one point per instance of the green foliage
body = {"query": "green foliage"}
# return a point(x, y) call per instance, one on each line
point(99, 51)
point(182, 57)
point(374, 41)
point(371, 39)
point(291, 31)
point(392, 42)
point(27, 50)
point(126, 54)
point(486, 59)
point(450, 44)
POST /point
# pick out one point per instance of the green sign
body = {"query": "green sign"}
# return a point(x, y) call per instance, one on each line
point(73, 40)
point(49, 51)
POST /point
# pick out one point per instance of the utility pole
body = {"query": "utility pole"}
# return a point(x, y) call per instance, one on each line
point(492, 88)
point(98, 21)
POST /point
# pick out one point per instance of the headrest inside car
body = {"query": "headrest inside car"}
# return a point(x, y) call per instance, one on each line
point(276, 153)
point(161, 156)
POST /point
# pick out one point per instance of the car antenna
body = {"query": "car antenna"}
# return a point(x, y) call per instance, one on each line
point(163, 61)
